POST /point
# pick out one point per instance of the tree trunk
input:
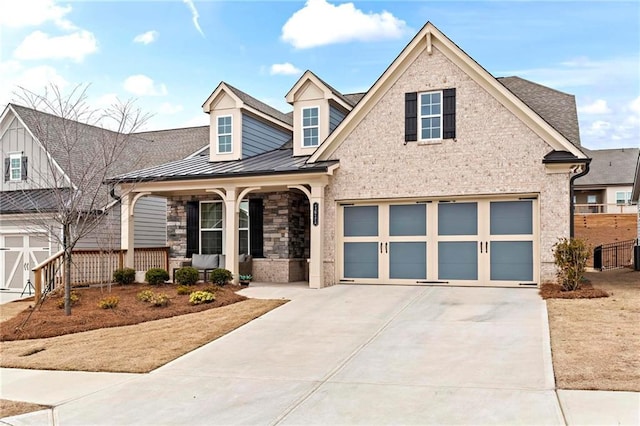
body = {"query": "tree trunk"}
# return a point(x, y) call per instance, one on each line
point(67, 269)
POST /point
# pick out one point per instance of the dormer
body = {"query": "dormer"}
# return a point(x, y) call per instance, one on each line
point(242, 126)
point(317, 110)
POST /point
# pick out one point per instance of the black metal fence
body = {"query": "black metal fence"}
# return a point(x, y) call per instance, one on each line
point(613, 255)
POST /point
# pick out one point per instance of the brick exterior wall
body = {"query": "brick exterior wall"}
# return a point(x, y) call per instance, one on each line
point(494, 153)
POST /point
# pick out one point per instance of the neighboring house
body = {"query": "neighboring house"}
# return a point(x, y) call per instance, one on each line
point(35, 176)
point(635, 195)
point(440, 173)
point(607, 187)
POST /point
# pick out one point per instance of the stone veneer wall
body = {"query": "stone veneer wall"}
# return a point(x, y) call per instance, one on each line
point(285, 234)
point(493, 153)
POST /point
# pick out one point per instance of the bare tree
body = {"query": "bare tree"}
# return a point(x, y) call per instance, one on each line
point(84, 147)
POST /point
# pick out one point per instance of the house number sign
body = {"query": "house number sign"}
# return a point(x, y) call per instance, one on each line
point(315, 214)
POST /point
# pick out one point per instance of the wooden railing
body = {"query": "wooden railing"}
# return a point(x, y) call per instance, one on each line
point(94, 266)
point(604, 208)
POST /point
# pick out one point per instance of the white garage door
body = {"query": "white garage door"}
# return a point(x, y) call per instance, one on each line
point(458, 242)
point(19, 253)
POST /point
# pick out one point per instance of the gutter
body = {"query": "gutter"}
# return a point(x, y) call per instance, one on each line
point(571, 192)
point(112, 192)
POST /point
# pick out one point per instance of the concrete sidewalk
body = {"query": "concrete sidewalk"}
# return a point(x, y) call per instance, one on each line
point(345, 355)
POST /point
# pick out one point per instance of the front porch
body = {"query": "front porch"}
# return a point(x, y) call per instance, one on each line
point(278, 220)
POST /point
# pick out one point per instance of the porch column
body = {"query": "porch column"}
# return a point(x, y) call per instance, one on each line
point(231, 232)
point(316, 264)
point(127, 228)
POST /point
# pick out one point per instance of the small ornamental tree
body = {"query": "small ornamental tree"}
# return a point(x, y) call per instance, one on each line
point(570, 257)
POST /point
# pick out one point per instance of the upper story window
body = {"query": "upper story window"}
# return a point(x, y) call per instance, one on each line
point(224, 134)
point(430, 115)
point(15, 167)
point(623, 197)
point(310, 126)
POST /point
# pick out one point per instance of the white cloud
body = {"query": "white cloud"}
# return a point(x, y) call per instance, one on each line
point(598, 107)
point(634, 105)
point(320, 23)
point(146, 38)
point(284, 69)
point(14, 76)
point(194, 15)
point(107, 100)
point(198, 120)
point(141, 85)
point(39, 45)
point(22, 13)
point(582, 72)
point(169, 108)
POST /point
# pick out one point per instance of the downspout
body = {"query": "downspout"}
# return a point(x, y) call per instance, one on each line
point(571, 191)
point(112, 192)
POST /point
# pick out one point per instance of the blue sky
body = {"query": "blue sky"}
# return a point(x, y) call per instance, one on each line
point(170, 55)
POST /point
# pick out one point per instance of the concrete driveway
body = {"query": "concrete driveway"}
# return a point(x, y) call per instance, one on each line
point(344, 355)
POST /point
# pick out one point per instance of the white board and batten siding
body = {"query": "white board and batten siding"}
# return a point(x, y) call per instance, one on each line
point(15, 138)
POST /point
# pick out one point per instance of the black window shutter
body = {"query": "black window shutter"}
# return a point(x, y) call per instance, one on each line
point(192, 209)
point(7, 169)
point(410, 117)
point(256, 235)
point(24, 168)
point(449, 113)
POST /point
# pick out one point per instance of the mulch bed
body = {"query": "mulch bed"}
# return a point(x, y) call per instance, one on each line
point(586, 291)
point(48, 320)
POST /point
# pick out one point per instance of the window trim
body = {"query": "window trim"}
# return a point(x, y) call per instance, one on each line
point(626, 195)
point(13, 156)
point(303, 127)
point(420, 116)
point(201, 229)
point(247, 228)
point(218, 134)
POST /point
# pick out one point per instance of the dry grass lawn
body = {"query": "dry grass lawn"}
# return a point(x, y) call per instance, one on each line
point(14, 408)
point(136, 348)
point(595, 343)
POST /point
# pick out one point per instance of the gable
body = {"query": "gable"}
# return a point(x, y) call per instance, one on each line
point(15, 138)
point(429, 41)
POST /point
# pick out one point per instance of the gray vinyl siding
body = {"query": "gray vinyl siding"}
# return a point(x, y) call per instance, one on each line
point(14, 138)
point(150, 226)
point(259, 137)
point(335, 117)
point(150, 223)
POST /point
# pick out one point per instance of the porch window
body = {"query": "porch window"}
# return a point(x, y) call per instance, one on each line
point(243, 225)
point(211, 227)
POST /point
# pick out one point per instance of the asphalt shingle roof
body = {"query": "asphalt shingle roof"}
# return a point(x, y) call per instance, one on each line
point(261, 106)
point(555, 107)
point(610, 167)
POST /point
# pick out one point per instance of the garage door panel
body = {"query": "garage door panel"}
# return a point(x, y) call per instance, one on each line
point(408, 260)
point(407, 220)
point(458, 260)
point(457, 218)
point(361, 221)
point(361, 260)
point(511, 260)
point(511, 218)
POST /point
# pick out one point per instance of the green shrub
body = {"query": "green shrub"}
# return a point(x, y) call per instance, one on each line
point(124, 275)
point(159, 300)
point(145, 295)
point(73, 297)
point(199, 297)
point(187, 275)
point(184, 289)
point(110, 302)
point(570, 257)
point(155, 276)
point(221, 276)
